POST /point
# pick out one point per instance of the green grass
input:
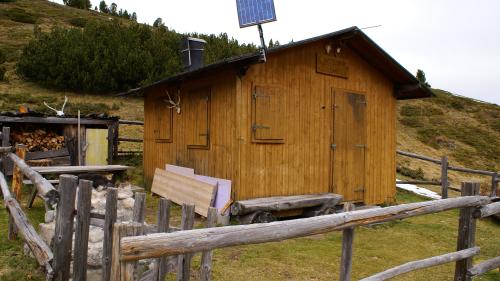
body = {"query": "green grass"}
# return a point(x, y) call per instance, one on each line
point(310, 258)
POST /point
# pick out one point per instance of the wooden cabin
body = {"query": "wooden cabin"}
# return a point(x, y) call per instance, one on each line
point(318, 116)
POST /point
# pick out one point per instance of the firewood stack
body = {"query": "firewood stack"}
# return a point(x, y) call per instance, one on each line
point(39, 140)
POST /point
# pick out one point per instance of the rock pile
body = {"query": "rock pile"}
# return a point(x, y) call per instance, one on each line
point(125, 206)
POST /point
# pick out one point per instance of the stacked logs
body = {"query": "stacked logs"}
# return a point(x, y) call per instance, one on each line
point(39, 140)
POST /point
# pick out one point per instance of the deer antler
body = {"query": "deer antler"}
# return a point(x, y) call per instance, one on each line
point(173, 104)
point(58, 112)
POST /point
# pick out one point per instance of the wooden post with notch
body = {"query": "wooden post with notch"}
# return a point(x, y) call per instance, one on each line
point(109, 222)
point(120, 270)
point(160, 269)
point(184, 263)
point(206, 256)
point(347, 242)
point(63, 235)
point(444, 177)
point(82, 230)
point(466, 231)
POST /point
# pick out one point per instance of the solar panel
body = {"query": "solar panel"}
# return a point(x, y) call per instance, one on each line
point(253, 12)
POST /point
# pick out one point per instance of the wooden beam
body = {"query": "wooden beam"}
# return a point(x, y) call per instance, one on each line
point(419, 182)
point(472, 171)
point(37, 155)
point(63, 235)
point(82, 230)
point(166, 244)
point(206, 256)
point(122, 270)
point(417, 156)
point(56, 120)
point(281, 203)
point(130, 122)
point(6, 149)
point(466, 231)
point(425, 263)
point(44, 187)
point(80, 169)
point(130, 140)
point(488, 210)
point(109, 222)
point(484, 267)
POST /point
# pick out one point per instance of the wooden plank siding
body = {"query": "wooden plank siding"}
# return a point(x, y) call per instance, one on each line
point(215, 160)
point(300, 163)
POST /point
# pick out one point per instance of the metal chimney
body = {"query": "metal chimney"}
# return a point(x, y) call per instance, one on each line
point(192, 53)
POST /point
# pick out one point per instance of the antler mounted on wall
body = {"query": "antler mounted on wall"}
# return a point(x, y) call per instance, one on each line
point(58, 112)
point(176, 105)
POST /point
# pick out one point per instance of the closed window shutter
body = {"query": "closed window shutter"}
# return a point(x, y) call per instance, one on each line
point(201, 119)
point(163, 131)
point(268, 114)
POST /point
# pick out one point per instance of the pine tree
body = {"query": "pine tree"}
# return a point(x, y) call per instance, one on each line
point(103, 7)
point(421, 78)
point(113, 9)
point(133, 16)
point(158, 23)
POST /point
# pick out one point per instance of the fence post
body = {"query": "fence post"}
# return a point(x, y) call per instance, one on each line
point(5, 143)
point(206, 257)
point(187, 223)
point(123, 270)
point(347, 241)
point(82, 230)
point(63, 235)
point(17, 175)
point(494, 184)
point(444, 177)
point(160, 269)
point(109, 221)
point(139, 207)
point(466, 231)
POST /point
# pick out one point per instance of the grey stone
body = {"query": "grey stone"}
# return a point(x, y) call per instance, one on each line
point(96, 234)
point(124, 193)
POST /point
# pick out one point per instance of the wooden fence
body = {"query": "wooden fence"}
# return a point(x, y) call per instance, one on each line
point(119, 139)
point(445, 167)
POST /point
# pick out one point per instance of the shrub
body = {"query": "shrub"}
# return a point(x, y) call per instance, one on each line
point(417, 174)
point(424, 110)
point(414, 122)
point(3, 57)
point(109, 56)
point(78, 22)
point(20, 15)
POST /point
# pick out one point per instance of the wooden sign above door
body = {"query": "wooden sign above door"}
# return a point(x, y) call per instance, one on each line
point(330, 65)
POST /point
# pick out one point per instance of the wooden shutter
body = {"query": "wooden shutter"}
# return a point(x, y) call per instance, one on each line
point(268, 114)
point(200, 119)
point(163, 130)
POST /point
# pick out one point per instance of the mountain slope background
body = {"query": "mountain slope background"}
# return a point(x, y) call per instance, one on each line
point(466, 130)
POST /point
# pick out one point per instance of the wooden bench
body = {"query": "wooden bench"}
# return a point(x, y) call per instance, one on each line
point(265, 209)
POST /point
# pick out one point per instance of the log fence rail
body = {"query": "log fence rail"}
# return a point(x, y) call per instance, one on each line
point(445, 167)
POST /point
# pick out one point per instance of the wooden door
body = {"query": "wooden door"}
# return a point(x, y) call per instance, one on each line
point(97, 147)
point(349, 144)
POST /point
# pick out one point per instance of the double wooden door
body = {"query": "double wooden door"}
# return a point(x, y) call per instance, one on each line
point(349, 144)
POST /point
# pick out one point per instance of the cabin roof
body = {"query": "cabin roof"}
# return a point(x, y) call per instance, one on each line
point(406, 84)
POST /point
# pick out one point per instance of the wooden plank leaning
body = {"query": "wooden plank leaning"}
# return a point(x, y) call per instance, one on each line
point(466, 232)
point(63, 235)
point(184, 263)
point(38, 247)
point(429, 262)
point(44, 187)
point(167, 244)
point(206, 256)
point(109, 222)
point(347, 242)
point(82, 230)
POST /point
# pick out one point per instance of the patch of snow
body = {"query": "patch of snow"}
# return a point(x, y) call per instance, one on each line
point(424, 192)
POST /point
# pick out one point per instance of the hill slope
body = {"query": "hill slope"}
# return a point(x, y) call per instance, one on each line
point(466, 130)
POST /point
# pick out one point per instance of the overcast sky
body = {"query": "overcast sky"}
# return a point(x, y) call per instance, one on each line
point(456, 42)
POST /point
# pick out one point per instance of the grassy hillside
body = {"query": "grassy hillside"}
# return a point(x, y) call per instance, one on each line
point(466, 130)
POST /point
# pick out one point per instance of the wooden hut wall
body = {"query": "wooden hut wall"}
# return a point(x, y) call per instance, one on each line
point(181, 139)
point(301, 161)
